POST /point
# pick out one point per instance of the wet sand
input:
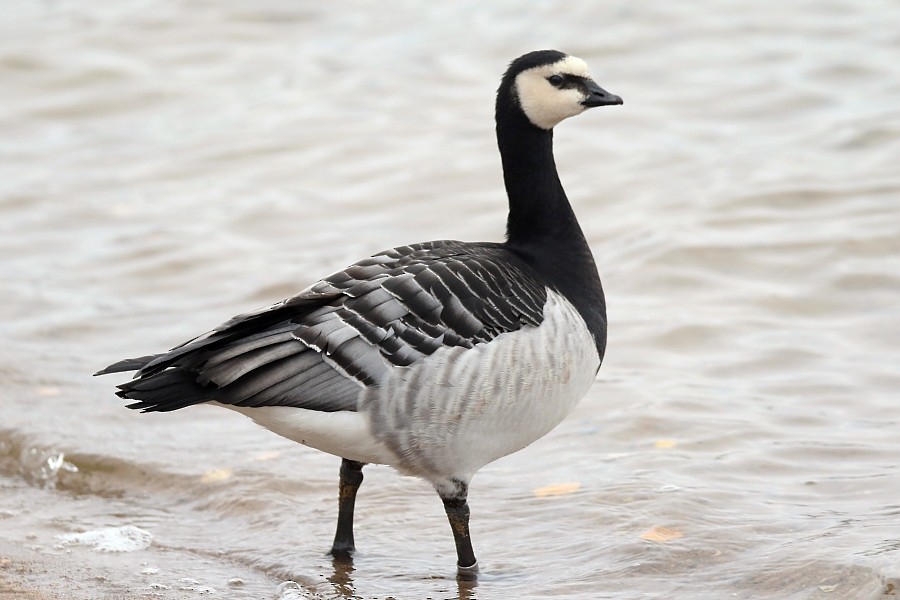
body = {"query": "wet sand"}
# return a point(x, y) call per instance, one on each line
point(18, 575)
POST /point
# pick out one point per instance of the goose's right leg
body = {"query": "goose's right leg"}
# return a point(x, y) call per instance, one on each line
point(457, 508)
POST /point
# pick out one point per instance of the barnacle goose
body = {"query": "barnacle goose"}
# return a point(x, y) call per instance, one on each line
point(436, 358)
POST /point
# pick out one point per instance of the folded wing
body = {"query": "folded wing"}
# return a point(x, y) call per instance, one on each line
point(320, 348)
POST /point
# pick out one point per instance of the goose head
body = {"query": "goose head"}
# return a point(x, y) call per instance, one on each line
point(550, 86)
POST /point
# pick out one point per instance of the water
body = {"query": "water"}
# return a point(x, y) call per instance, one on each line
point(165, 165)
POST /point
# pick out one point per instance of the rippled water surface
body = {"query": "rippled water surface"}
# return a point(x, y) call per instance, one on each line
point(165, 165)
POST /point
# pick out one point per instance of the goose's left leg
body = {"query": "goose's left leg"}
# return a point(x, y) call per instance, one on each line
point(351, 478)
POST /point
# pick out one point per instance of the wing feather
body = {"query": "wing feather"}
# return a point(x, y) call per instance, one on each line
point(320, 348)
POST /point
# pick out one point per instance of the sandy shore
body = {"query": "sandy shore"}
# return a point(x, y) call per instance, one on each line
point(19, 578)
point(35, 565)
point(10, 589)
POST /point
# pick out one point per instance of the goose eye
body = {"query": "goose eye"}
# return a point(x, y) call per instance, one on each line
point(556, 80)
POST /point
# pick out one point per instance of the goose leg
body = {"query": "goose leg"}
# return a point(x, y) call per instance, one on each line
point(457, 509)
point(351, 478)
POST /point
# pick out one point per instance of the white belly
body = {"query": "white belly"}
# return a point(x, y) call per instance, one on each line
point(341, 433)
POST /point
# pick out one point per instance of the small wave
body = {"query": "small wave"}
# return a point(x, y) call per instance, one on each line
point(37, 463)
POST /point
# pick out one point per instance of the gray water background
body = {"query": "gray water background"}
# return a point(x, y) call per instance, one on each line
point(165, 165)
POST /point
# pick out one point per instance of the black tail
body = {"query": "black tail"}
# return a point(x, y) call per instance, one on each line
point(165, 391)
point(175, 379)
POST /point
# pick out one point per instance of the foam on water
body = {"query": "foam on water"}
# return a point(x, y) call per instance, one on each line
point(127, 538)
point(291, 590)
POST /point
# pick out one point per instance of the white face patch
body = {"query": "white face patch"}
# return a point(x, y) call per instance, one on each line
point(544, 104)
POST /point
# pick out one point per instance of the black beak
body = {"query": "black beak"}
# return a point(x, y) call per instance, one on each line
point(597, 96)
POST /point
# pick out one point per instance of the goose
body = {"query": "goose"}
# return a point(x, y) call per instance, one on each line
point(435, 358)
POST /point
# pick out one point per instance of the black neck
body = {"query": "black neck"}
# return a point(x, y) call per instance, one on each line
point(542, 228)
point(538, 208)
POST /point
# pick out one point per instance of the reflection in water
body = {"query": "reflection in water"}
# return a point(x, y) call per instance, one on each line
point(340, 579)
point(342, 582)
point(466, 588)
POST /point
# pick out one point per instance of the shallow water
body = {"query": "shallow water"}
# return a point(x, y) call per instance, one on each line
point(165, 165)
